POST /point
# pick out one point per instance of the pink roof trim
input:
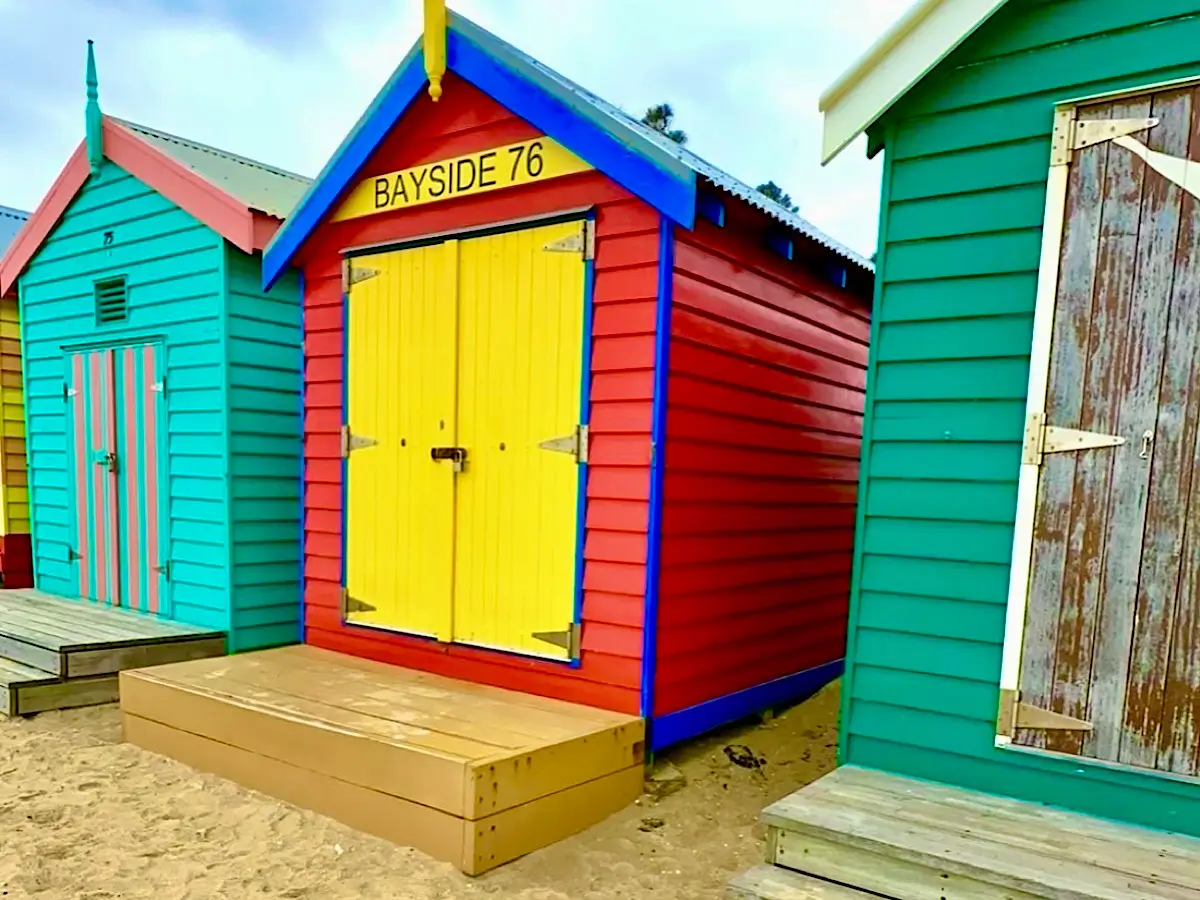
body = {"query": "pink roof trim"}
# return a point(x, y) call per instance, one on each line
point(246, 229)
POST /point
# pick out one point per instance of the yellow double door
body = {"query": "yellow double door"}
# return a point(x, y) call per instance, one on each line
point(463, 439)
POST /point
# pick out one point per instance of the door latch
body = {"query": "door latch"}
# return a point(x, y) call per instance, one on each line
point(456, 455)
point(105, 458)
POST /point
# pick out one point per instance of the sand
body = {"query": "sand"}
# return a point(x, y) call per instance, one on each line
point(85, 816)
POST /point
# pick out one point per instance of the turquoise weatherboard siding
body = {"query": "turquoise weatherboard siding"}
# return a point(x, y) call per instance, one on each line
point(964, 185)
point(265, 424)
point(184, 289)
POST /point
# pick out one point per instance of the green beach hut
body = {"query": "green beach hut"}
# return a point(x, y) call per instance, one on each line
point(1025, 617)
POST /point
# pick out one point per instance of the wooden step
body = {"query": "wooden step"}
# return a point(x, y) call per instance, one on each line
point(76, 639)
point(914, 840)
point(774, 883)
point(25, 690)
point(470, 774)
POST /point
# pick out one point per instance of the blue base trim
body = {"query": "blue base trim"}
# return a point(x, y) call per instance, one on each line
point(658, 437)
point(704, 717)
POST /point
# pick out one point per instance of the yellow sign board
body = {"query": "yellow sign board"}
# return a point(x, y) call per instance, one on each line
point(538, 159)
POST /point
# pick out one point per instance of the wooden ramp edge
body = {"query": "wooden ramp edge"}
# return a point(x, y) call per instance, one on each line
point(904, 838)
point(472, 775)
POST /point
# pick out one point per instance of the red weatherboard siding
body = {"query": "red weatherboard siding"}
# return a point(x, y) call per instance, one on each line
point(764, 422)
point(622, 364)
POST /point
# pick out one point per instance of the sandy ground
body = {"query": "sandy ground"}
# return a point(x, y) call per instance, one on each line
point(86, 817)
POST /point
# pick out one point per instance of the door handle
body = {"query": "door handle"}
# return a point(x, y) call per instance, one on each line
point(456, 455)
point(105, 458)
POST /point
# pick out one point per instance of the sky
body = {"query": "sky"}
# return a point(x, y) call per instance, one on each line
point(282, 81)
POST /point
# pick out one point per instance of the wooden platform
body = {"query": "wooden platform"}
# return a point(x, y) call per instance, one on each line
point(857, 830)
point(57, 654)
point(470, 774)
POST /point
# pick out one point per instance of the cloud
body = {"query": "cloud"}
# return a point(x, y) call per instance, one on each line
point(283, 82)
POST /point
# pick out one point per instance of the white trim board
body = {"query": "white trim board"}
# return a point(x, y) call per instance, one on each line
point(894, 64)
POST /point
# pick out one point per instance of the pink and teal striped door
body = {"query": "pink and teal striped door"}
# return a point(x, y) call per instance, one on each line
point(116, 398)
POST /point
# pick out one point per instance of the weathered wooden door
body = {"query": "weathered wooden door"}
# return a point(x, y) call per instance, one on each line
point(1110, 656)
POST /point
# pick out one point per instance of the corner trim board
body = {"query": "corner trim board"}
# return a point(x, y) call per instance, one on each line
point(675, 727)
point(658, 434)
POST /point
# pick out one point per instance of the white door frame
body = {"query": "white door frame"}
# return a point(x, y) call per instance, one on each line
point(1069, 135)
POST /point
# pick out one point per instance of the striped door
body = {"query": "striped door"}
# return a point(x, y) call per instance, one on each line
point(116, 420)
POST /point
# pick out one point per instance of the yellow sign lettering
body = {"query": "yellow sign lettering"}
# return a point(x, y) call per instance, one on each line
point(529, 161)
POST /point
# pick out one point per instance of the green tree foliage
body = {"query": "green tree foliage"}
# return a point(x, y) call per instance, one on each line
point(775, 192)
point(660, 118)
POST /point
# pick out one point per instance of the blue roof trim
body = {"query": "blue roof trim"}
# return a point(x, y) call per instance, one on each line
point(367, 134)
point(672, 196)
point(644, 161)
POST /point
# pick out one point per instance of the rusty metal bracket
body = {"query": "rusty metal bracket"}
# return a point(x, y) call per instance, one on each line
point(353, 605)
point(1071, 134)
point(1016, 715)
point(575, 443)
point(583, 242)
point(569, 640)
point(352, 274)
point(1041, 439)
point(352, 442)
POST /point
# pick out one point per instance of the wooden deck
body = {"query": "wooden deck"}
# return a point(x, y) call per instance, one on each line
point(57, 654)
point(470, 774)
point(857, 831)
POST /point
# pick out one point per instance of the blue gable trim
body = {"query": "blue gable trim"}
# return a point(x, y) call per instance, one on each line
point(672, 195)
point(389, 105)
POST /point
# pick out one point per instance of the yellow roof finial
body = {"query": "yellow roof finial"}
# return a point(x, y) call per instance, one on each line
point(435, 45)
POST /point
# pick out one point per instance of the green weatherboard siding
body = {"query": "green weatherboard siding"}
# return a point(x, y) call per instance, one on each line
point(960, 235)
point(232, 360)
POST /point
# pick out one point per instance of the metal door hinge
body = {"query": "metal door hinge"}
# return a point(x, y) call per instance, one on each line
point(1071, 135)
point(583, 241)
point(68, 393)
point(164, 569)
point(73, 554)
point(1017, 715)
point(352, 274)
point(568, 640)
point(575, 443)
point(354, 605)
point(354, 441)
point(1041, 439)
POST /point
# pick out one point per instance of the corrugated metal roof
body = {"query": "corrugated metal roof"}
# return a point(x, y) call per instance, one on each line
point(626, 126)
point(261, 187)
point(11, 221)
